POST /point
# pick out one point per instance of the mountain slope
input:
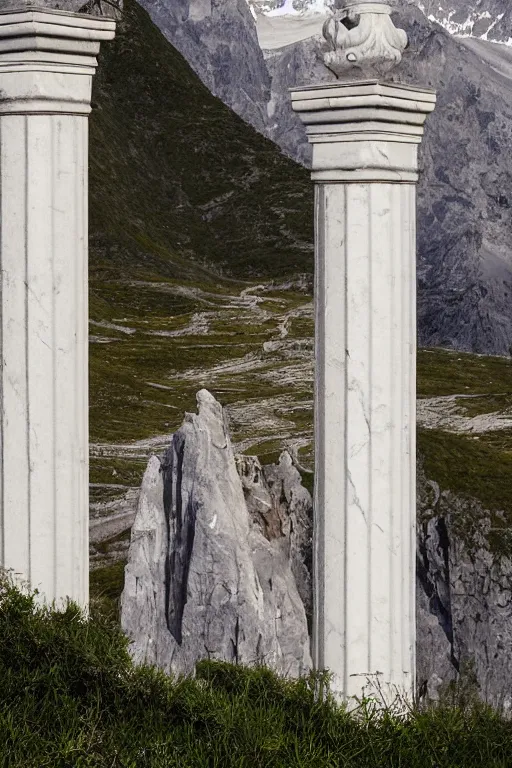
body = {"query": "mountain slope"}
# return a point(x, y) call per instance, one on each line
point(186, 201)
point(465, 190)
point(488, 19)
point(218, 39)
point(179, 174)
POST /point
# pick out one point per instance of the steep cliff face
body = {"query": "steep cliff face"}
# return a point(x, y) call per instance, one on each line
point(464, 599)
point(204, 579)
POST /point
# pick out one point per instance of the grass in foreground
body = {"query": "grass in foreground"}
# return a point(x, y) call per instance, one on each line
point(70, 696)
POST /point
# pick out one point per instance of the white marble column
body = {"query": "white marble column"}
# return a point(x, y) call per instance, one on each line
point(365, 138)
point(47, 61)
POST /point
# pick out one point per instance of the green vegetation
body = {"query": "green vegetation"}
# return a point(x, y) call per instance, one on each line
point(188, 205)
point(444, 372)
point(71, 698)
point(181, 186)
point(474, 466)
point(478, 466)
point(105, 588)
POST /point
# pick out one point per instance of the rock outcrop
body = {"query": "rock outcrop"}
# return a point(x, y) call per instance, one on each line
point(219, 566)
point(464, 599)
point(490, 20)
point(205, 579)
point(282, 510)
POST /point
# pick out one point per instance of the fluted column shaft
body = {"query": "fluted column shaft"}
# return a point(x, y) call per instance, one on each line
point(365, 138)
point(47, 60)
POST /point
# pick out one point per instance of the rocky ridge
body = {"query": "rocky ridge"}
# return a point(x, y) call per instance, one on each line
point(491, 20)
point(218, 39)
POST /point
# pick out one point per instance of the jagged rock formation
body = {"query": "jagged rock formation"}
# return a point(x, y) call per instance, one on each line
point(203, 581)
point(282, 510)
point(464, 599)
point(219, 566)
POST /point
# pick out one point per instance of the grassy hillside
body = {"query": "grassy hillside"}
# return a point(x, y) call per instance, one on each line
point(188, 204)
point(178, 181)
point(71, 698)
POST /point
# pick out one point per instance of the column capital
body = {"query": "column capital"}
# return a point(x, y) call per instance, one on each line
point(101, 8)
point(39, 47)
point(364, 131)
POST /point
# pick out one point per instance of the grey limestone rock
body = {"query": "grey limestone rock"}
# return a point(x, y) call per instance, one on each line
point(282, 510)
point(219, 567)
point(492, 18)
point(464, 600)
point(202, 581)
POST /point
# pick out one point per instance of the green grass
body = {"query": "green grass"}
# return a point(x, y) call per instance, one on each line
point(71, 698)
point(105, 588)
point(472, 466)
point(474, 469)
point(444, 372)
point(163, 151)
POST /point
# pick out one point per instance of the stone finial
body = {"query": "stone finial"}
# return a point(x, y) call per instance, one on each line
point(362, 35)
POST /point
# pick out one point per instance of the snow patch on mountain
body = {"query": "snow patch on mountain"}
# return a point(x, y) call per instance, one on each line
point(465, 21)
point(478, 24)
point(291, 8)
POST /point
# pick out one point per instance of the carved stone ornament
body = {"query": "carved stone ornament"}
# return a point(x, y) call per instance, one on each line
point(362, 36)
point(106, 8)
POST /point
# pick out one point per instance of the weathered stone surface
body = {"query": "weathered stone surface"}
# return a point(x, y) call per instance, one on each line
point(362, 37)
point(202, 581)
point(282, 509)
point(464, 599)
